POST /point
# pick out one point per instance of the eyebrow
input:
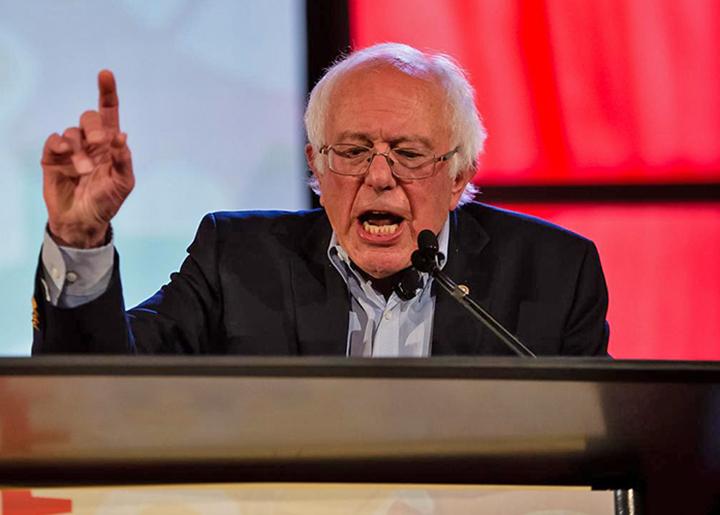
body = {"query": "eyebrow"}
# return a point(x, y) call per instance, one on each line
point(365, 138)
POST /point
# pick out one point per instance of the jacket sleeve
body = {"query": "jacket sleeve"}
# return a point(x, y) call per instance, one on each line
point(586, 330)
point(180, 318)
point(99, 326)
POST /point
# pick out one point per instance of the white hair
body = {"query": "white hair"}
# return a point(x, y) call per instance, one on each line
point(466, 127)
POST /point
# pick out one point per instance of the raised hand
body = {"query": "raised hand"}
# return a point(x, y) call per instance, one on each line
point(87, 173)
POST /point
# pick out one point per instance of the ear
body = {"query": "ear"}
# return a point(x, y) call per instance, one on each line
point(310, 158)
point(458, 187)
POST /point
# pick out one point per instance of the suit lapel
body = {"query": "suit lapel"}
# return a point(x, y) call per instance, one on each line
point(320, 295)
point(455, 331)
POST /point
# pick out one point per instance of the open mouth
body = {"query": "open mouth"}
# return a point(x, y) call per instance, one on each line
point(380, 222)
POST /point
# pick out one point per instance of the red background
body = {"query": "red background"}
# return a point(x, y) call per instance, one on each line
point(592, 93)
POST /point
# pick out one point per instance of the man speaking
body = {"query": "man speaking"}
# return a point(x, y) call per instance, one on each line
point(394, 138)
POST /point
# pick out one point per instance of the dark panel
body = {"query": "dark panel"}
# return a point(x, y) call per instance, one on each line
point(328, 36)
point(602, 193)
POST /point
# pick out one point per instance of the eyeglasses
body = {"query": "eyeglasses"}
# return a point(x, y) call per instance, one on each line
point(405, 163)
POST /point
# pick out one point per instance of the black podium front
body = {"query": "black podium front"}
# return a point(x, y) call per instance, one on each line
point(652, 428)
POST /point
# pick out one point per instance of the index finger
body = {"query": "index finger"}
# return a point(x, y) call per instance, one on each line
point(108, 100)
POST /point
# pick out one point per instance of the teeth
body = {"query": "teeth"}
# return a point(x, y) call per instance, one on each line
point(380, 229)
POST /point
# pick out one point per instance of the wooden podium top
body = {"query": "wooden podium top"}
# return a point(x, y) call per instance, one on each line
point(654, 426)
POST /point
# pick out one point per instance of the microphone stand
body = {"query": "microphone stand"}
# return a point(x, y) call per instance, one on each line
point(425, 260)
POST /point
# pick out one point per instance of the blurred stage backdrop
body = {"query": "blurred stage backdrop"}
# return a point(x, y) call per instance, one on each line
point(604, 116)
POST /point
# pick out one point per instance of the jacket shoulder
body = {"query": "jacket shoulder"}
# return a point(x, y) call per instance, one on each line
point(263, 221)
point(233, 233)
point(508, 225)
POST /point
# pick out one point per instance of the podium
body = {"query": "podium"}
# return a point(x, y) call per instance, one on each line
point(648, 430)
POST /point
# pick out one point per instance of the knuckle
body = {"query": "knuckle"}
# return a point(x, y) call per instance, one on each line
point(51, 141)
point(71, 132)
point(90, 118)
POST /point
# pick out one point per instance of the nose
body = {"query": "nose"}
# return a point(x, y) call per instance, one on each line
point(379, 175)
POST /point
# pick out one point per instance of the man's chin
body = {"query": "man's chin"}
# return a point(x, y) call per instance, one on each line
point(381, 266)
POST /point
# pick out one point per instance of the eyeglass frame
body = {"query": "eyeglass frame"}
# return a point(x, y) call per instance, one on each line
point(325, 150)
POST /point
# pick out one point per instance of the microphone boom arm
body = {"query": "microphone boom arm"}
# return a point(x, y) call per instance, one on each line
point(459, 294)
point(425, 259)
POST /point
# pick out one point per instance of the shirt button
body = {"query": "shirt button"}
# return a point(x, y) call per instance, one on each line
point(55, 273)
point(388, 316)
point(71, 277)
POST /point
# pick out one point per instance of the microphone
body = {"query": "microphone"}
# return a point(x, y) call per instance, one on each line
point(427, 241)
point(425, 259)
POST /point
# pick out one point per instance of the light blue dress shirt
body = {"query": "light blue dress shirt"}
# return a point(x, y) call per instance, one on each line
point(391, 328)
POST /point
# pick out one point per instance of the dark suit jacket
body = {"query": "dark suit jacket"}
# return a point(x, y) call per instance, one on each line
point(260, 283)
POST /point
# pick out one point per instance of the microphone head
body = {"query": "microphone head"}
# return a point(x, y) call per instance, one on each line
point(427, 241)
point(424, 258)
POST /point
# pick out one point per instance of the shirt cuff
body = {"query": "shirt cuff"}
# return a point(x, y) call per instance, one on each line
point(75, 276)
